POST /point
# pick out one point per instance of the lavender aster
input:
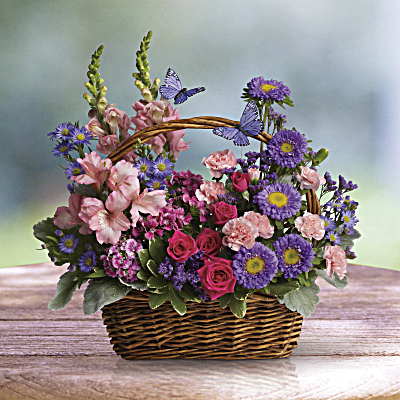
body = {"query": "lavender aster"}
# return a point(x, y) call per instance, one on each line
point(145, 167)
point(155, 183)
point(329, 223)
point(267, 90)
point(279, 201)
point(63, 131)
point(294, 254)
point(256, 267)
point(63, 148)
point(80, 136)
point(162, 167)
point(333, 237)
point(74, 169)
point(349, 219)
point(87, 261)
point(68, 243)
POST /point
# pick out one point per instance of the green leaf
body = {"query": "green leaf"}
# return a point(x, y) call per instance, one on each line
point(144, 257)
point(281, 288)
point(97, 274)
point(156, 300)
point(138, 285)
point(153, 267)
point(317, 260)
point(334, 281)
point(238, 307)
point(52, 239)
point(302, 300)
point(157, 250)
point(66, 287)
point(287, 178)
point(177, 301)
point(144, 275)
point(346, 241)
point(85, 190)
point(44, 228)
point(224, 300)
point(246, 195)
point(156, 282)
point(240, 292)
point(100, 293)
point(279, 224)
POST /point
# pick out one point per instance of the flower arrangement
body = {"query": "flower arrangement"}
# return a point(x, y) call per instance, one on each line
point(138, 224)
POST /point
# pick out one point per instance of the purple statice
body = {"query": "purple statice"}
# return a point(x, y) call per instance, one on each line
point(278, 119)
point(329, 223)
point(256, 267)
point(144, 166)
point(295, 255)
point(349, 254)
point(63, 131)
point(80, 136)
point(87, 261)
point(286, 148)
point(121, 259)
point(349, 219)
point(279, 201)
point(74, 169)
point(155, 183)
point(68, 243)
point(230, 198)
point(333, 237)
point(268, 90)
point(162, 167)
point(63, 148)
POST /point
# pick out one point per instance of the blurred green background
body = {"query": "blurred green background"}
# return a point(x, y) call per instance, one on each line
point(339, 58)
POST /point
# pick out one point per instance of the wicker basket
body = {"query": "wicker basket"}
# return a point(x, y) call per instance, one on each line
point(268, 330)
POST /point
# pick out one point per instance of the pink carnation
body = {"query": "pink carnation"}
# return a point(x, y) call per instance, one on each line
point(311, 226)
point(335, 261)
point(309, 179)
point(209, 191)
point(265, 230)
point(239, 232)
point(219, 160)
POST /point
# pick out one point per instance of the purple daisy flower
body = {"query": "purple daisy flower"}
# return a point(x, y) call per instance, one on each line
point(87, 261)
point(268, 90)
point(80, 136)
point(349, 219)
point(68, 243)
point(162, 167)
point(286, 148)
point(155, 183)
point(329, 223)
point(279, 201)
point(74, 169)
point(63, 131)
point(63, 148)
point(256, 267)
point(145, 167)
point(71, 187)
point(295, 255)
point(333, 237)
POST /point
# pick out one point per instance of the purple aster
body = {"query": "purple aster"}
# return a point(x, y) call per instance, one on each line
point(59, 232)
point(333, 237)
point(71, 187)
point(63, 131)
point(349, 219)
point(145, 167)
point(63, 148)
point(295, 255)
point(74, 169)
point(68, 243)
point(256, 267)
point(279, 201)
point(268, 90)
point(87, 261)
point(80, 136)
point(155, 183)
point(286, 148)
point(329, 223)
point(162, 167)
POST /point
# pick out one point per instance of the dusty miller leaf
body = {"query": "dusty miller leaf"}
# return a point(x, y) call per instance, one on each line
point(66, 287)
point(334, 281)
point(302, 300)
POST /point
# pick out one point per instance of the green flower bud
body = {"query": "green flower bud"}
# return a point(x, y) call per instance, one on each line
point(103, 91)
point(149, 147)
point(139, 84)
point(147, 94)
point(320, 156)
point(88, 98)
point(101, 104)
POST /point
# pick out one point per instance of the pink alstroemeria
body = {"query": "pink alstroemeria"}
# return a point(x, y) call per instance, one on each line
point(96, 171)
point(147, 203)
point(108, 222)
point(123, 177)
point(67, 217)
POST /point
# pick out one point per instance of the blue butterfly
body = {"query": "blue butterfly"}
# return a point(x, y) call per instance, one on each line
point(249, 126)
point(173, 88)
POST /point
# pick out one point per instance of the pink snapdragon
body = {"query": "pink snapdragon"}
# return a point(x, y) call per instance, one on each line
point(124, 177)
point(108, 222)
point(335, 261)
point(265, 230)
point(116, 118)
point(311, 226)
point(219, 160)
point(177, 144)
point(94, 126)
point(239, 232)
point(309, 179)
point(147, 203)
point(209, 191)
point(96, 171)
point(107, 144)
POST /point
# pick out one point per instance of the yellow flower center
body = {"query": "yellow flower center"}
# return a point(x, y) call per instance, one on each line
point(326, 223)
point(76, 171)
point(161, 167)
point(89, 261)
point(332, 238)
point(63, 149)
point(69, 243)
point(346, 218)
point(80, 136)
point(277, 198)
point(291, 256)
point(287, 147)
point(143, 168)
point(156, 185)
point(254, 265)
point(266, 87)
point(65, 132)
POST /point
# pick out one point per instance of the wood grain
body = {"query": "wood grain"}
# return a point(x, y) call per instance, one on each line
point(349, 348)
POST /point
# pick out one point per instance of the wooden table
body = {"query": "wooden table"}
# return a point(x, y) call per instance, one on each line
point(349, 349)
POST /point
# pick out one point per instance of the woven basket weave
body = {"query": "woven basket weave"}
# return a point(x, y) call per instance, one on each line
point(268, 330)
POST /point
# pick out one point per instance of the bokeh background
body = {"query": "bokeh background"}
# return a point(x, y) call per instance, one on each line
point(340, 59)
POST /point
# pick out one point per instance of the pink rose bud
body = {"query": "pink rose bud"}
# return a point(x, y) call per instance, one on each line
point(240, 181)
point(217, 277)
point(311, 226)
point(209, 242)
point(335, 261)
point(309, 179)
point(219, 160)
point(253, 173)
point(222, 213)
point(181, 247)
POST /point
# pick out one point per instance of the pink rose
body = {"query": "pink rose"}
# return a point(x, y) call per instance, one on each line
point(217, 277)
point(209, 191)
point(309, 179)
point(265, 230)
point(335, 261)
point(209, 241)
point(219, 160)
point(240, 181)
point(253, 173)
point(222, 213)
point(181, 246)
point(239, 232)
point(311, 226)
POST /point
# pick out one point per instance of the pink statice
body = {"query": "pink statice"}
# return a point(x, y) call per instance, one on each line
point(209, 191)
point(124, 177)
point(121, 259)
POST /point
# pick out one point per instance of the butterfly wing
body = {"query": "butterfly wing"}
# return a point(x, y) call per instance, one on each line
point(168, 92)
point(192, 92)
point(249, 121)
point(181, 98)
point(239, 138)
point(172, 85)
